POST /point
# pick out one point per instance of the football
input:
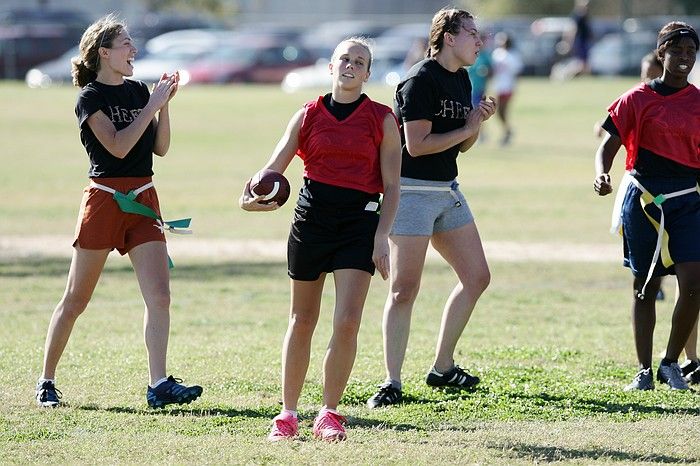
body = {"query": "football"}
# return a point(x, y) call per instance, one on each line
point(271, 185)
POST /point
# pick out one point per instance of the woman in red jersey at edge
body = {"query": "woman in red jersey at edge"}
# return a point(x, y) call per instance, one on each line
point(659, 124)
point(351, 150)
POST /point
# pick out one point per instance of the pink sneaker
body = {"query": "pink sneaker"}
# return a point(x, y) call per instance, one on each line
point(329, 426)
point(284, 426)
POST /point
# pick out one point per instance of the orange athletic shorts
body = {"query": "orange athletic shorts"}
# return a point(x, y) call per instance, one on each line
point(103, 225)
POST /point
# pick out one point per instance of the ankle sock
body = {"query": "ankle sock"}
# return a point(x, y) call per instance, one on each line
point(396, 384)
point(159, 381)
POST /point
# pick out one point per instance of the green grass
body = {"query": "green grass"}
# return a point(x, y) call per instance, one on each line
point(542, 184)
point(551, 341)
point(552, 349)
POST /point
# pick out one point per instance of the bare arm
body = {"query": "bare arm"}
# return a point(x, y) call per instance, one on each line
point(487, 109)
point(119, 143)
point(421, 141)
point(603, 162)
point(390, 164)
point(162, 123)
point(279, 161)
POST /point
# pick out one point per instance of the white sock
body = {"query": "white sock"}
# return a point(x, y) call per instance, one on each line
point(329, 410)
point(394, 383)
point(42, 380)
point(159, 381)
point(289, 411)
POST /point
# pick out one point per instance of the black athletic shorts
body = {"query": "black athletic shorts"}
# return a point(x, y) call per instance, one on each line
point(333, 229)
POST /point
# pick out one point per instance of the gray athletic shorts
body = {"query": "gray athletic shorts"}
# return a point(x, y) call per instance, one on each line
point(430, 207)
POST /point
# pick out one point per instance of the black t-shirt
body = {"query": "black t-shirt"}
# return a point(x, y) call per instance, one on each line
point(122, 104)
point(341, 111)
point(430, 92)
point(650, 163)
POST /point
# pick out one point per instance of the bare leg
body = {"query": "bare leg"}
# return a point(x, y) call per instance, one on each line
point(644, 319)
point(691, 346)
point(407, 261)
point(296, 349)
point(462, 249)
point(685, 314)
point(351, 291)
point(150, 261)
point(502, 114)
point(85, 269)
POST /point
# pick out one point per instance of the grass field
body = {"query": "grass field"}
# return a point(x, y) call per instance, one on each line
point(551, 341)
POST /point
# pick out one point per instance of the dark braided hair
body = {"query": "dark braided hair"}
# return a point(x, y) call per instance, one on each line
point(101, 33)
point(445, 20)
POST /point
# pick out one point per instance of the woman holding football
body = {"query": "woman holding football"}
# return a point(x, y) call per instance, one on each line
point(351, 151)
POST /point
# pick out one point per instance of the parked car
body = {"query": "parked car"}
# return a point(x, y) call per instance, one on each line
point(621, 53)
point(196, 37)
point(32, 36)
point(52, 72)
point(272, 30)
point(151, 67)
point(388, 67)
point(153, 25)
point(239, 61)
point(403, 35)
point(323, 38)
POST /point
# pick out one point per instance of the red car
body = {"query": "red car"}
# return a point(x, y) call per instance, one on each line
point(240, 61)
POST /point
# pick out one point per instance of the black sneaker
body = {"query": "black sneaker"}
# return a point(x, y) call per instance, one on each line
point(455, 377)
point(386, 396)
point(688, 367)
point(670, 374)
point(47, 395)
point(170, 392)
point(694, 377)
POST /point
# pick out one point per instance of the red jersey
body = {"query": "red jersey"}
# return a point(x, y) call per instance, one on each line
point(343, 153)
point(665, 125)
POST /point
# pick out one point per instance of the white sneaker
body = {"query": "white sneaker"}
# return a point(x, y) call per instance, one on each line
point(672, 375)
point(644, 380)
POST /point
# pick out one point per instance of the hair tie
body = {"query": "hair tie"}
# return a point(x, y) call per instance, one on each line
point(678, 34)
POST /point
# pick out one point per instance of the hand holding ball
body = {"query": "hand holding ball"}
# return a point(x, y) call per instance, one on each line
point(271, 185)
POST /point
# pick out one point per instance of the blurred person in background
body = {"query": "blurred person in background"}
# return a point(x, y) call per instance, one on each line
point(507, 65)
point(580, 37)
point(433, 103)
point(351, 150)
point(415, 53)
point(121, 126)
point(480, 72)
point(659, 124)
point(651, 67)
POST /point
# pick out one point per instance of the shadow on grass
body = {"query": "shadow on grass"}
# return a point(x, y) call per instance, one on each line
point(57, 267)
point(539, 453)
point(383, 424)
point(263, 413)
point(195, 412)
point(588, 405)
